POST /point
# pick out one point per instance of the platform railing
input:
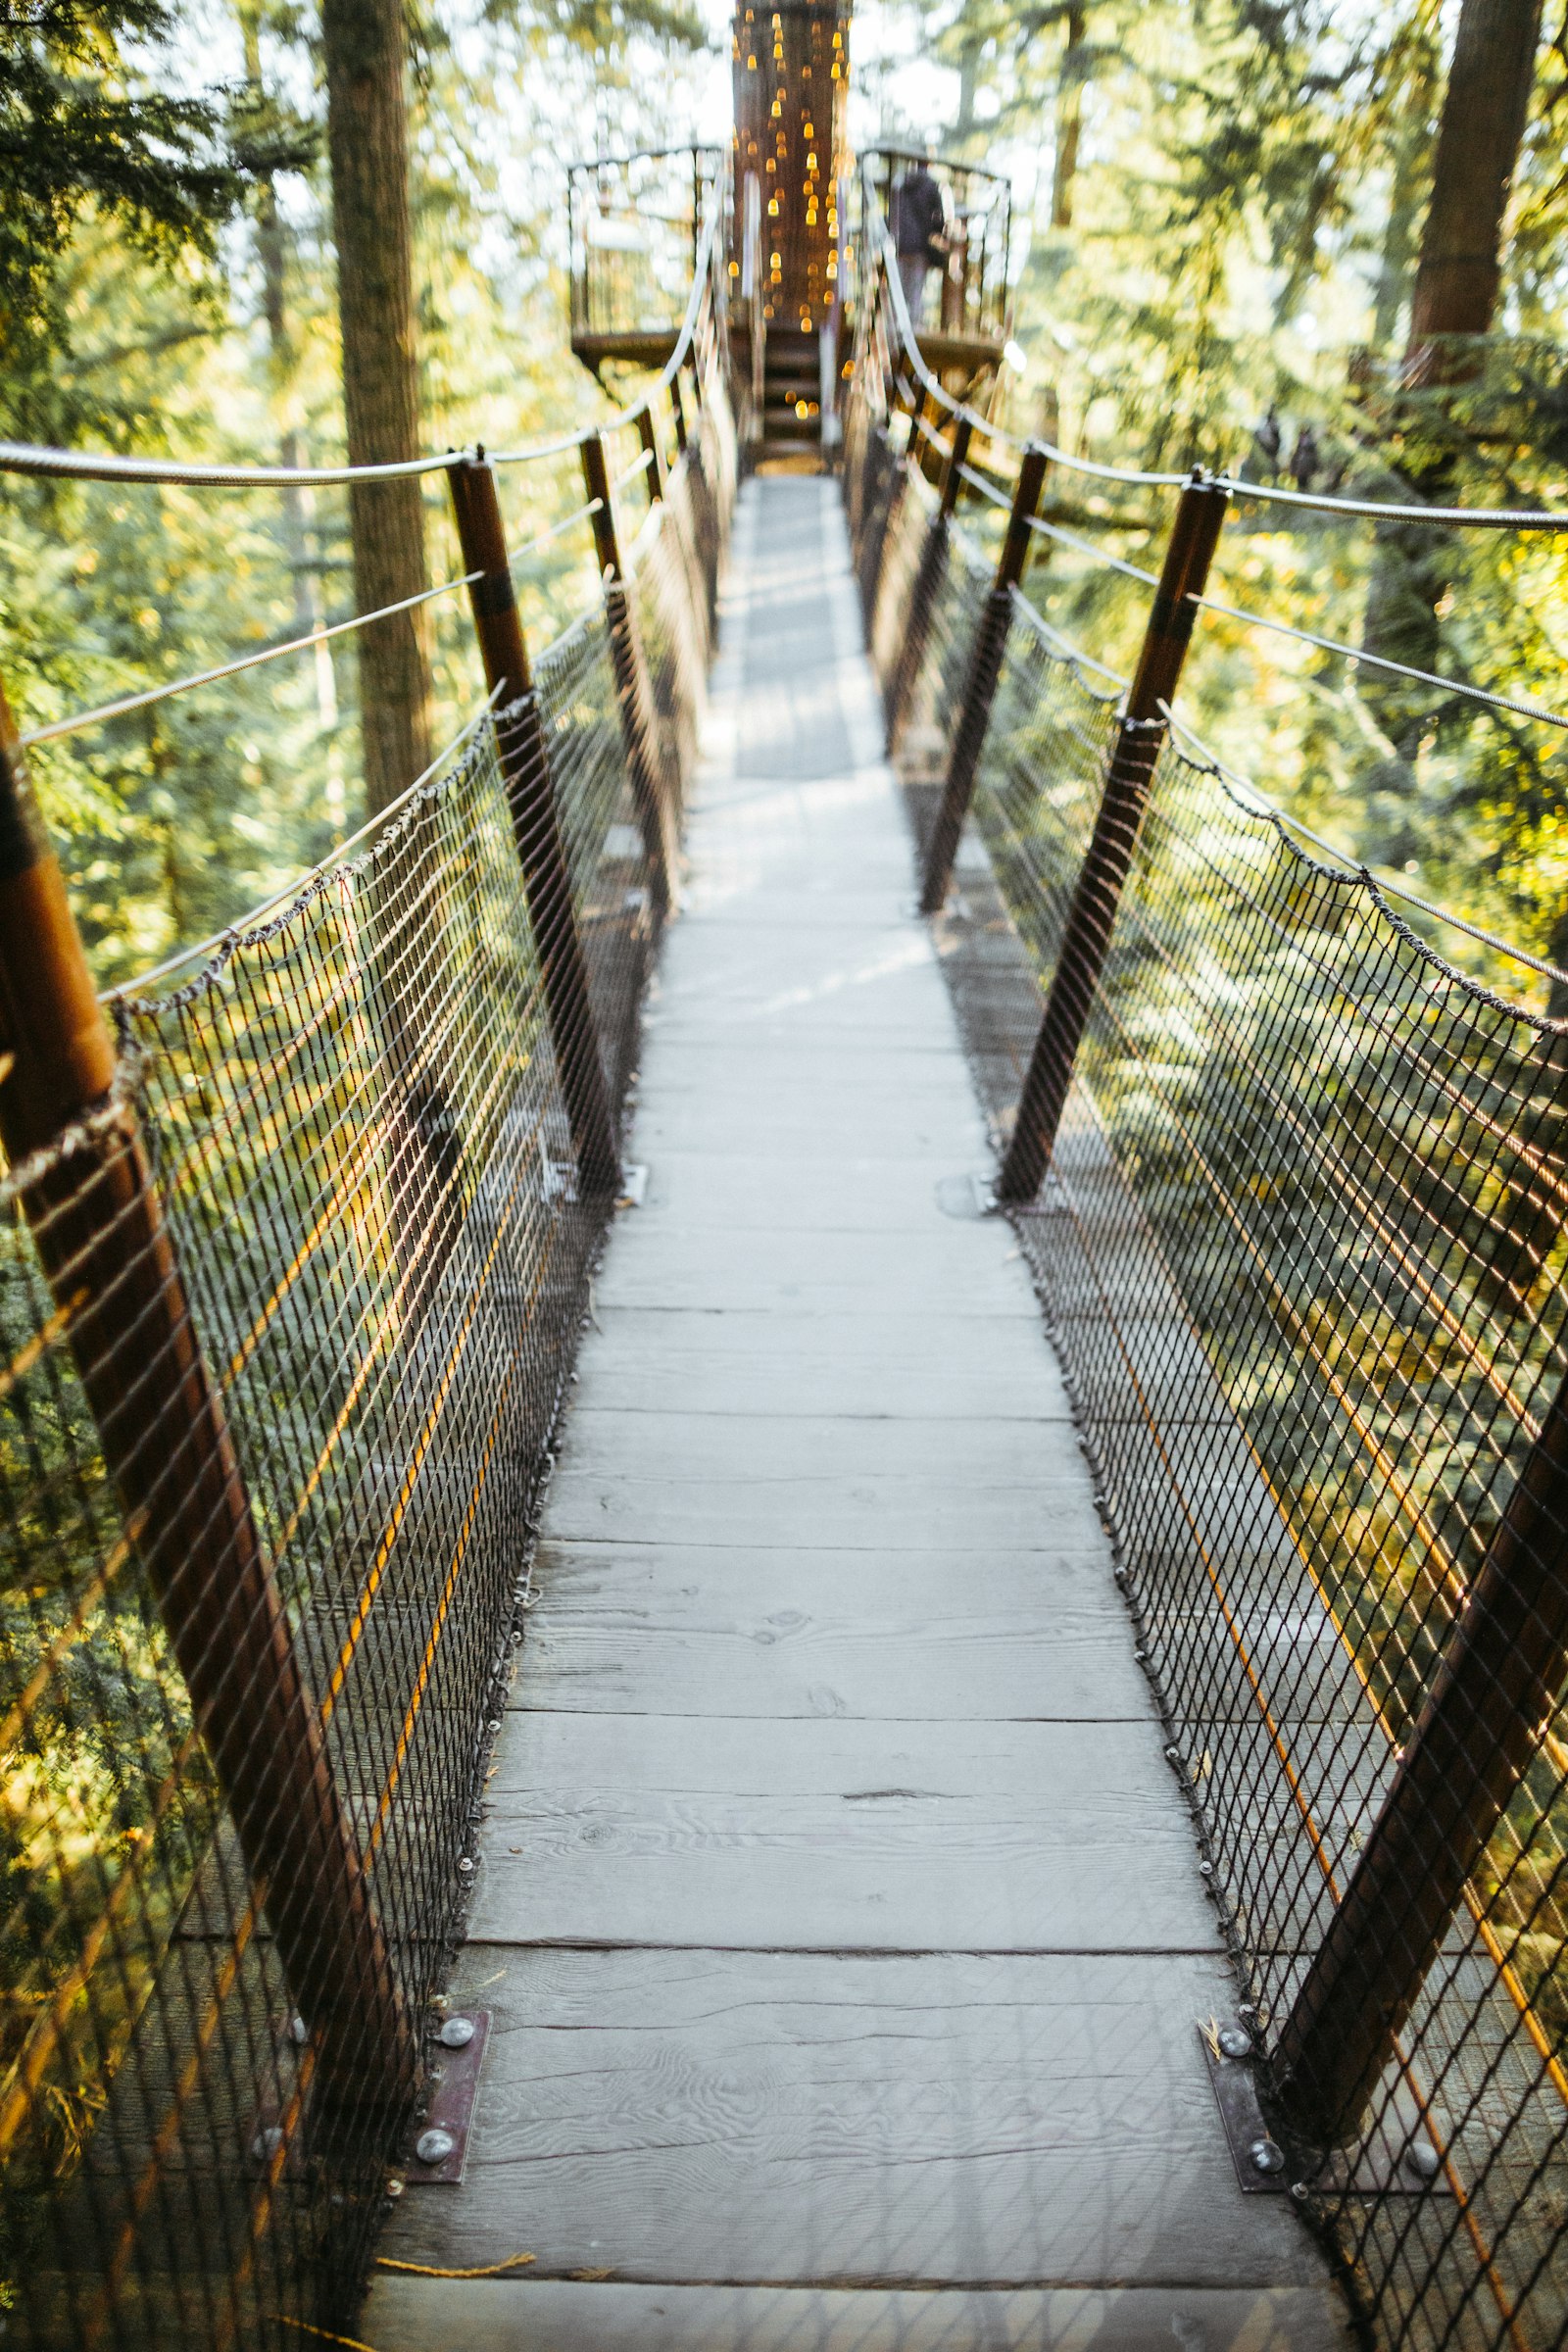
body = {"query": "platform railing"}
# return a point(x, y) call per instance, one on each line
point(294, 1259)
point(1294, 1191)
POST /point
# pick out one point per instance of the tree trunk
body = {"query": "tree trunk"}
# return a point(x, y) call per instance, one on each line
point(1456, 284)
point(1484, 112)
point(366, 126)
point(1069, 116)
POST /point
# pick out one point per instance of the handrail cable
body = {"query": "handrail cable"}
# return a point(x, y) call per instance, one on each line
point(293, 645)
point(37, 460)
point(1096, 555)
point(1458, 518)
point(1399, 669)
point(1202, 757)
point(228, 670)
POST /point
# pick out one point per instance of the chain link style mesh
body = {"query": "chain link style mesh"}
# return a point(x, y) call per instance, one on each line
point(285, 1331)
point(1302, 1244)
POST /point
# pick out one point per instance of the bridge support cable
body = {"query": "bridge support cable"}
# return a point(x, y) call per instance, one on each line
point(654, 813)
point(89, 1196)
point(1097, 895)
point(980, 687)
point(535, 822)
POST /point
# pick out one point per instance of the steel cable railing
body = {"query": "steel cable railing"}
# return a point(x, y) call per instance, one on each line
point(293, 1262)
point(1301, 1237)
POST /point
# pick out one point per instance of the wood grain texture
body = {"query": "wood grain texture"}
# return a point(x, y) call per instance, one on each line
point(828, 1834)
point(979, 2119)
point(554, 2315)
point(828, 1362)
point(625, 1629)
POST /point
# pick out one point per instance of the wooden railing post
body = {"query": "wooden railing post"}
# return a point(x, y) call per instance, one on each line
point(980, 686)
point(648, 434)
point(631, 684)
point(110, 1260)
point(1097, 895)
point(535, 823)
point(1472, 1743)
point(928, 582)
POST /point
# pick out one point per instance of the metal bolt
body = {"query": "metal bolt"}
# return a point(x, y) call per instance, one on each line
point(1236, 2042)
point(394, 2187)
point(1267, 2156)
point(267, 2142)
point(1205, 1869)
point(458, 2032)
point(494, 1724)
point(299, 2033)
point(1423, 2159)
point(466, 1863)
point(435, 2145)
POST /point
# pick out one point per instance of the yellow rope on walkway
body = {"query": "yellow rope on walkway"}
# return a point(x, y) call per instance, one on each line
point(426, 2270)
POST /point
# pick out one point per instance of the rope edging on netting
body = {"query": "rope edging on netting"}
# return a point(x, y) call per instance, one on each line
point(1196, 755)
point(116, 1112)
point(387, 828)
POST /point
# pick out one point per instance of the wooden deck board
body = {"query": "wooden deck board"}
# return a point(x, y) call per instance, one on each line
point(838, 1910)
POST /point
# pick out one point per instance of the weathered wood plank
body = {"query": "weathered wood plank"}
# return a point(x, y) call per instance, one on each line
point(831, 1833)
point(985, 2121)
point(726, 1448)
point(956, 1268)
point(624, 1629)
point(923, 1511)
point(417, 2315)
point(859, 1367)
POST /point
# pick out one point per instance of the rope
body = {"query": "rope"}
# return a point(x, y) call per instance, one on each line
point(1098, 554)
point(426, 2270)
point(1198, 756)
point(1480, 519)
point(1458, 518)
point(1399, 669)
point(228, 670)
point(84, 466)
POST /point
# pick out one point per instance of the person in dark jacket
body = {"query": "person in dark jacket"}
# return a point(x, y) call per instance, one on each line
point(919, 230)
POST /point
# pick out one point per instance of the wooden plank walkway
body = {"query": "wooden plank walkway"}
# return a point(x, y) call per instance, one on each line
point(841, 1921)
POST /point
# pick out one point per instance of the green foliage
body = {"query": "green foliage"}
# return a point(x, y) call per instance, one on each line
point(82, 136)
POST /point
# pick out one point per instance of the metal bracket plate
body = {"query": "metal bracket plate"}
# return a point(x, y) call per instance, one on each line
point(1399, 2158)
point(1236, 2096)
point(453, 2084)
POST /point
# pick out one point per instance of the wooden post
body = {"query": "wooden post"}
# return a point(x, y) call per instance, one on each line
point(648, 433)
point(980, 686)
point(631, 684)
point(1472, 1744)
point(110, 1260)
point(1097, 895)
point(928, 582)
point(535, 823)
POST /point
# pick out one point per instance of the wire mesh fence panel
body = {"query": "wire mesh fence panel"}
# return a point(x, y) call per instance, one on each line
point(1302, 1246)
point(285, 1341)
point(1302, 1243)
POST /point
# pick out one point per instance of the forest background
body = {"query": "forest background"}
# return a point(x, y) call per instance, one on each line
point(1222, 204)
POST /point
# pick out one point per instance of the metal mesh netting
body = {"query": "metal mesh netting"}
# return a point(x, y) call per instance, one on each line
point(286, 1328)
point(1302, 1246)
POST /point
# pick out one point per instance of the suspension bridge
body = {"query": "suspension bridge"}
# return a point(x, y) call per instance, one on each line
point(786, 1493)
